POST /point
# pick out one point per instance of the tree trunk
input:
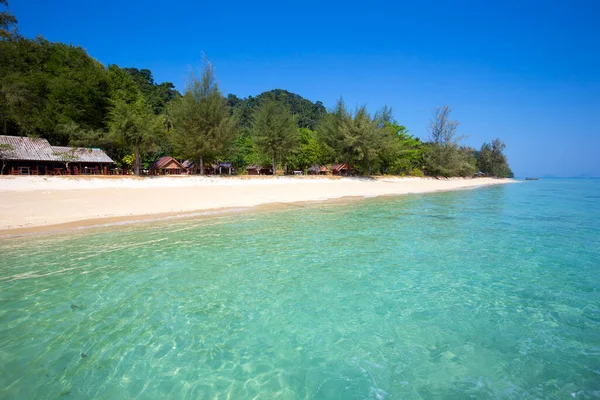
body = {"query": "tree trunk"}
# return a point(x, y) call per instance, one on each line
point(3, 166)
point(136, 162)
point(274, 163)
point(201, 165)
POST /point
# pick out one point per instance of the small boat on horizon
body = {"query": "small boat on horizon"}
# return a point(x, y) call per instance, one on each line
point(532, 179)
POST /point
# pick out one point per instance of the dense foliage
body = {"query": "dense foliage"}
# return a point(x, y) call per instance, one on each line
point(275, 130)
point(8, 23)
point(57, 91)
point(444, 156)
point(307, 113)
point(492, 161)
point(203, 129)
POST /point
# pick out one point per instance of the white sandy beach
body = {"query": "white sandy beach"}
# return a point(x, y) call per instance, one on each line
point(35, 203)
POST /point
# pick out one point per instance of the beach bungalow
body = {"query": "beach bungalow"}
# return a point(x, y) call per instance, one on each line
point(167, 165)
point(35, 156)
point(225, 167)
point(210, 169)
point(189, 166)
point(342, 169)
point(318, 170)
point(258, 170)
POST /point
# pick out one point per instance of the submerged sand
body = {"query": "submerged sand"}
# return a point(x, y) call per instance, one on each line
point(38, 203)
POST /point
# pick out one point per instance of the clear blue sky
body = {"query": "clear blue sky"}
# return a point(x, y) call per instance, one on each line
point(525, 71)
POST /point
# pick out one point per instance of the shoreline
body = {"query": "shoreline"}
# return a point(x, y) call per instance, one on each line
point(35, 205)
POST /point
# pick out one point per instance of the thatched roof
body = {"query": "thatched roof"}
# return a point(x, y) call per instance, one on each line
point(37, 149)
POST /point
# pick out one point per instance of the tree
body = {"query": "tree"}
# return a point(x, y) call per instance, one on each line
point(442, 155)
point(45, 86)
point(246, 152)
point(356, 138)
point(68, 156)
point(202, 126)
point(307, 113)
point(492, 161)
point(309, 152)
point(442, 129)
point(371, 136)
point(134, 125)
point(331, 133)
point(156, 95)
point(404, 154)
point(6, 153)
point(8, 23)
point(274, 129)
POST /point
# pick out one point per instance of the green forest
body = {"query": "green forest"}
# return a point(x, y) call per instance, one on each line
point(59, 92)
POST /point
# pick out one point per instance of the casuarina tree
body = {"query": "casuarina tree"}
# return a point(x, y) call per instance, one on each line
point(274, 129)
point(202, 126)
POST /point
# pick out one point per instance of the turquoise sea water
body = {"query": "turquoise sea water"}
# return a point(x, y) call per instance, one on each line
point(486, 293)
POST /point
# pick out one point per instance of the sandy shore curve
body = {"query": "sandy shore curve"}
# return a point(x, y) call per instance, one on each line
point(30, 204)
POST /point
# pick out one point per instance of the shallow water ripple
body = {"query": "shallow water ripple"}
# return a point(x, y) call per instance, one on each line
point(488, 293)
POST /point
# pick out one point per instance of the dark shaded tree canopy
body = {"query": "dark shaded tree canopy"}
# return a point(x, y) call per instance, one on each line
point(157, 95)
point(46, 87)
point(307, 113)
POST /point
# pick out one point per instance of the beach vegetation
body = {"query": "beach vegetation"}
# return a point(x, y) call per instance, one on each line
point(132, 124)
point(6, 152)
point(492, 161)
point(275, 130)
point(443, 155)
point(68, 156)
point(310, 151)
point(307, 113)
point(403, 153)
point(8, 23)
point(203, 128)
point(357, 138)
point(416, 172)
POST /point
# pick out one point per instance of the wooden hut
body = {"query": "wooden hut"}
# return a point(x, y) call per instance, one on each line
point(258, 170)
point(190, 166)
point(167, 165)
point(342, 169)
point(210, 169)
point(318, 170)
point(225, 167)
point(35, 156)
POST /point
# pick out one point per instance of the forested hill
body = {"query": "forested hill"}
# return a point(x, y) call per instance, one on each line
point(307, 113)
point(46, 87)
point(55, 91)
point(158, 95)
